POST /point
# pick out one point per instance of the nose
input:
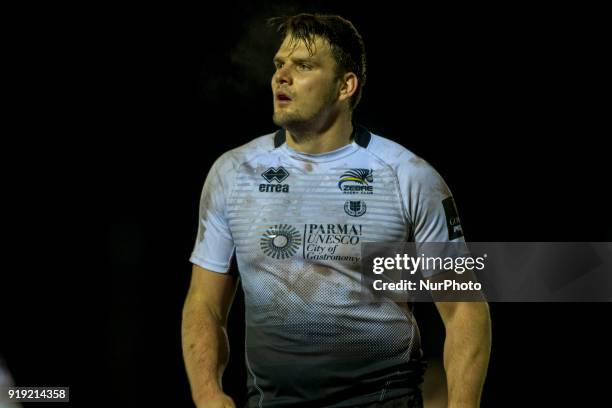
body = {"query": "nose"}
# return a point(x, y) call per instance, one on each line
point(283, 76)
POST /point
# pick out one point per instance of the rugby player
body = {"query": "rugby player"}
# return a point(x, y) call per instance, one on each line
point(294, 206)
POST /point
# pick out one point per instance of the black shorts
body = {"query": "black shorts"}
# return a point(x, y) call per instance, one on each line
point(409, 401)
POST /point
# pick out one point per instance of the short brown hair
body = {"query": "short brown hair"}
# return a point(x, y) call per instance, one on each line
point(344, 40)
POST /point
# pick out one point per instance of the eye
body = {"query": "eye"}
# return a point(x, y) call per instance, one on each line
point(303, 67)
point(278, 65)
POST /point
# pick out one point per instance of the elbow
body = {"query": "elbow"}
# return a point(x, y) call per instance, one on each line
point(196, 309)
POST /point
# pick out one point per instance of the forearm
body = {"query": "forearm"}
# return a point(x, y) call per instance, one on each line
point(466, 354)
point(205, 350)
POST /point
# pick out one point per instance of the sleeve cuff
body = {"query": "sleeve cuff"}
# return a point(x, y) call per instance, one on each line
point(210, 265)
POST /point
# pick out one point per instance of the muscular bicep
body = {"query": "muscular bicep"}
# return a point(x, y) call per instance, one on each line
point(468, 312)
point(213, 291)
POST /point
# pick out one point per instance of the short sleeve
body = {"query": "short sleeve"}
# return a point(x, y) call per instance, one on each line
point(430, 206)
point(432, 214)
point(214, 246)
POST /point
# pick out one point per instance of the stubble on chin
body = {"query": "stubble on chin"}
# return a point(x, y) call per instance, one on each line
point(286, 119)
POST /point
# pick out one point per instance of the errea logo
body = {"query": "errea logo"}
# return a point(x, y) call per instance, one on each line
point(272, 175)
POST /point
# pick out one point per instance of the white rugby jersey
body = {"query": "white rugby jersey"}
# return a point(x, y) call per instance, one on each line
point(295, 222)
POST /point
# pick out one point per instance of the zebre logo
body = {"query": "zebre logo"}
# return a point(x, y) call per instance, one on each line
point(355, 181)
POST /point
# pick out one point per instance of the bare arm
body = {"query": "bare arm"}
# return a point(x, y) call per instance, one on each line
point(204, 335)
point(466, 350)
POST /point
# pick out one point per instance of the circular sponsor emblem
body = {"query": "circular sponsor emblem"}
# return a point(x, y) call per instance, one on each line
point(280, 241)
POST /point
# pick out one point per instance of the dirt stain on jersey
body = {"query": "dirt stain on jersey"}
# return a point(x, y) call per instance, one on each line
point(320, 269)
point(442, 189)
point(307, 287)
point(417, 161)
point(205, 204)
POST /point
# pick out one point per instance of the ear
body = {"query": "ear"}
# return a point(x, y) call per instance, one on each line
point(348, 86)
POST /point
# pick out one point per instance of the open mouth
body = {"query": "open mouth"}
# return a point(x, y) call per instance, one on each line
point(282, 97)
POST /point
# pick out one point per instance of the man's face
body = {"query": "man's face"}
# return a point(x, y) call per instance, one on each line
point(305, 87)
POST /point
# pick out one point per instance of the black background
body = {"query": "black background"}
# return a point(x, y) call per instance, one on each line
point(118, 113)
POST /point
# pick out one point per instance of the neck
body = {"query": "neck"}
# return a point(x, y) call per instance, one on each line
point(324, 140)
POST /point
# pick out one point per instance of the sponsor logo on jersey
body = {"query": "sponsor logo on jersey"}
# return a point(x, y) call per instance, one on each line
point(332, 242)
point(452, 219)
point(355, 208)
point(274, 175)
point(356, 181)
point(281, 241)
